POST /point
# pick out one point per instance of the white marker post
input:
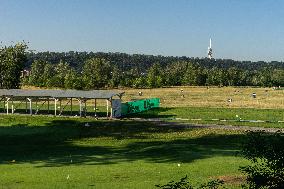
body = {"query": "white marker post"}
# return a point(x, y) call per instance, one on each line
point(7, 105)
point(30, 103)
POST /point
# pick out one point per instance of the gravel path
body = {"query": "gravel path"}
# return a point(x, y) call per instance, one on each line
point(160, 122)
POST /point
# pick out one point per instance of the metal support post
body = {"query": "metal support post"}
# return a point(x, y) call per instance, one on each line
point(111, 108)
point(107, 109)
point(85, 109)
point(71, 106)
point(4, 104)
point(36, 106)
point(12, 107)
point(95, 107)
point(7, 104)
point(80, 105)
point(48, 105)
point(60, 106)
point(26, 106)
point(30, 102)
point(55, 106)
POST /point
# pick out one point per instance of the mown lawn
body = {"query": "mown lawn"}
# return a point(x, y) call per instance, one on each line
point(49, 152)
point(212, 97)
point(220, 116)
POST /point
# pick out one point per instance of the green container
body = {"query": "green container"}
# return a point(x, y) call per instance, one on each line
point(139, 106)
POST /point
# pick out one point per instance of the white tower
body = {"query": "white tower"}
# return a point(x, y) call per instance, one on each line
point(210, 51)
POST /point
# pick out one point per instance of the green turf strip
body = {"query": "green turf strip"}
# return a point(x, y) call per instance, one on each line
point(48, 152)
point(238, 116)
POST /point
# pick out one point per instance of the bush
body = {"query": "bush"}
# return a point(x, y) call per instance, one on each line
point(184, 184)
point(266, 152)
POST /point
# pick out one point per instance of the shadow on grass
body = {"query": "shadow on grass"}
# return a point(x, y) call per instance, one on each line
point(65, 112)
point(68, 142)
point(154, 113)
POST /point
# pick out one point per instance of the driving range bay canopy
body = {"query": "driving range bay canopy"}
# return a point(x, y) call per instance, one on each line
point(9, 96)
point(58, 94)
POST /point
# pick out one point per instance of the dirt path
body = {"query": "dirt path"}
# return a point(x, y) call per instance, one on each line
point(160, 122)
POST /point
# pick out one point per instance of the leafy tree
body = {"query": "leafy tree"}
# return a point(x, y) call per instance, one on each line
point(245, 78)
point(256, 78)
point(115, 77)
point(37, 72)
point(216, 76)
point(139, 82)
point(278, 77)
point(96, 73)
point(61, 71)
point(194, 75)
point(154, 77)
point(12, 59)
point(72, 80)
point(48, 73)
point(233, 76)
point(54, 82)
point(174, 73)
point(126, 81)
point(265, 77)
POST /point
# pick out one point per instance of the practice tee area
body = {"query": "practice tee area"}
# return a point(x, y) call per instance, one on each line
point(60, 99)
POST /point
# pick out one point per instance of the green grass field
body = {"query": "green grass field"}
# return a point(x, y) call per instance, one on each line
point(273, 118)
point(48, 152)
point(44, 151)
point(213, 97)
point(211, 103)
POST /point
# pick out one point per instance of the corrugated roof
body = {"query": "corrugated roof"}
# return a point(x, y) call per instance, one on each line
point(94, 94)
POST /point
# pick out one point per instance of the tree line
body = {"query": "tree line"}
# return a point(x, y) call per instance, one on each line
point(89, 70)
point(100, 73)
point(143, 62)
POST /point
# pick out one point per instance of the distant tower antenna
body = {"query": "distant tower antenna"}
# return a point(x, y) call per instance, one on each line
point(210, 51)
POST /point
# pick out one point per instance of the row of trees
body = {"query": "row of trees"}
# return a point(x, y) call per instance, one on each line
point(83, 70)
point(95, 74)
point(100, 73)
point(187, 73)
point(142, 62)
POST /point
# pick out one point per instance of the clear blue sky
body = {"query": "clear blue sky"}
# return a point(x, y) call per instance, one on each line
point(240, 29)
